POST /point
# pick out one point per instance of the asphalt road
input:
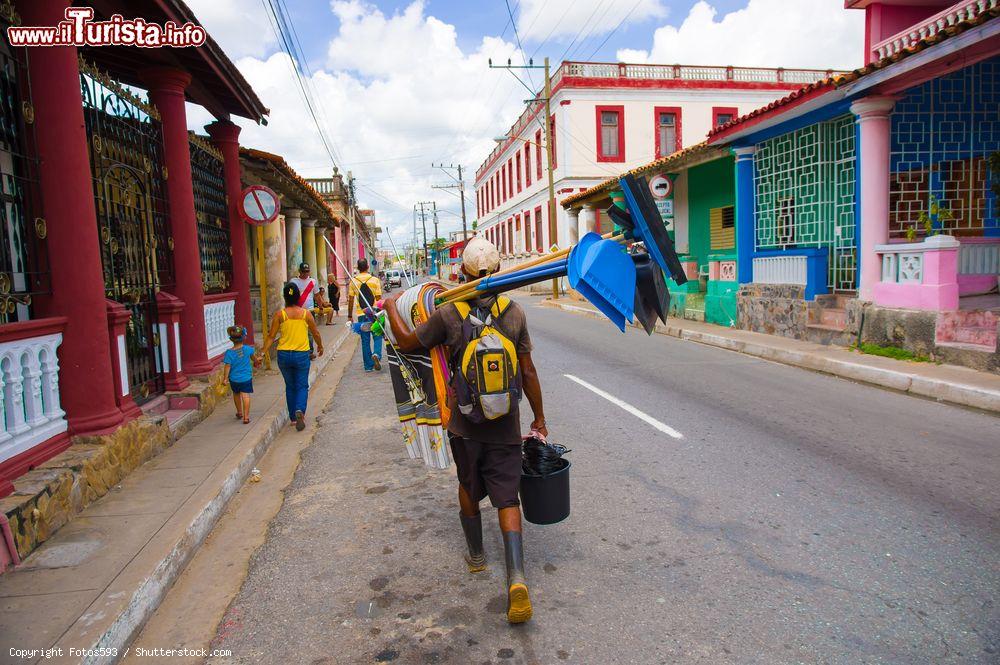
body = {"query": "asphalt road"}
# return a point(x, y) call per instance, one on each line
point(797, 518)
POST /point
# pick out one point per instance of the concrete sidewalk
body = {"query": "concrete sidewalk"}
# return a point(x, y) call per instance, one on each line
point(946, 383)
point(96, 582)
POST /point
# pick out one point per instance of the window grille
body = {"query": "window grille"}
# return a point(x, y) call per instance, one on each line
point(805, 194)
point(23, 257)
point(213, 215)
point(942, 133)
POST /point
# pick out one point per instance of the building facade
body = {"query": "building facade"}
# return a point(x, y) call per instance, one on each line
point(607, 118)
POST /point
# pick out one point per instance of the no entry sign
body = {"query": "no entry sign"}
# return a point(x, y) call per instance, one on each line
point(260, 205)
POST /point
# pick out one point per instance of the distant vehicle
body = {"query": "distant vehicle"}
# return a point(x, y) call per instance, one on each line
point(393, 278)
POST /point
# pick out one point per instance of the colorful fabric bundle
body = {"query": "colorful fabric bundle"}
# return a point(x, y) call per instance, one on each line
point(420, 383)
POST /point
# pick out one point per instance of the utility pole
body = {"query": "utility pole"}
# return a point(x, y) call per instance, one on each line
point(547, 127)
point(437, 261)
point(423, 222)
point(461, 190)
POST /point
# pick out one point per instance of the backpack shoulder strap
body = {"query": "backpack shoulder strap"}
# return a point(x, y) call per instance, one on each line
point(463, 310)
point(500, 306)
point(284, 316)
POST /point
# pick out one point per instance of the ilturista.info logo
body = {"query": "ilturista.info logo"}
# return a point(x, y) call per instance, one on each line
point(80, 29)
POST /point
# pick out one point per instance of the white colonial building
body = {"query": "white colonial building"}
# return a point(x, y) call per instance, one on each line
point(606, 119)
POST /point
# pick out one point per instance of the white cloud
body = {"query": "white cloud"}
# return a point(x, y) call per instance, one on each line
point(239, 26)
point(544, 19)
point(397, 93)
point(767, 33)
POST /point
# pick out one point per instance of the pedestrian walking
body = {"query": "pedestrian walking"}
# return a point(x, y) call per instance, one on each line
point(485, 428)
point(332, 296)
point(238, 364)
point(365, 290)
point(290, 329)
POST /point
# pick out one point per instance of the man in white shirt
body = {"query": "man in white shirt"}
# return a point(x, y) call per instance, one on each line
point(307, 286)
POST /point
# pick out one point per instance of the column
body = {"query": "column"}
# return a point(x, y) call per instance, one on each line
point(321, 255)
point(745, 212)
point(309, 243)
point(873, 183)
point(225, 136)
point(166, 91)
point(573, 217)
point(274, 268)
point(587, 221)
point(86, 387)
point(293, 235)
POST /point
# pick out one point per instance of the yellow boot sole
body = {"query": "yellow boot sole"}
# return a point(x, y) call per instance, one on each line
point(518, 603)
point(475, 567)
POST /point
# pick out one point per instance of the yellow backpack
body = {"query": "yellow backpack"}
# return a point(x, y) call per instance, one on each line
point(486, 381)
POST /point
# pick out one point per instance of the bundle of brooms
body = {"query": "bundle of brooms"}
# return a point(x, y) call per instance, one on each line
point(620, 273)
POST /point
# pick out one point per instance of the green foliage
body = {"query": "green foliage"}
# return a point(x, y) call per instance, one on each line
point(932, 222)
point(475, 224)
point(892, 352)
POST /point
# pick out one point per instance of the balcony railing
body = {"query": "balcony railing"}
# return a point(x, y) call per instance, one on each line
point(919, 275)
point(960, 11)
point(29, 382)
point(220, 313)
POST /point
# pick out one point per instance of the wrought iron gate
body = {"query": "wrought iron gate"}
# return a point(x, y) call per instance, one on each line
point(805, 195)
point(23, 259)
point(126, 145)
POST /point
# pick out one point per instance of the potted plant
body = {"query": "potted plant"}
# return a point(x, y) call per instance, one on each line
point(931, 221)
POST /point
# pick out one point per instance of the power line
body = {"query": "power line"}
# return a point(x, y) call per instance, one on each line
point(518, 38)
point(580, 32)
point(620, 24)
point(590, 32)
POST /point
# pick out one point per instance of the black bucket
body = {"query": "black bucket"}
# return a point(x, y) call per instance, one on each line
point(545, 499)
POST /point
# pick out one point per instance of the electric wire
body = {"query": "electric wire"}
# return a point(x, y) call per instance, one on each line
point(620, 24)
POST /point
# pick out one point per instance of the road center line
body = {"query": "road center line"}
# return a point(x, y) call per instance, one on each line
point(666, 429)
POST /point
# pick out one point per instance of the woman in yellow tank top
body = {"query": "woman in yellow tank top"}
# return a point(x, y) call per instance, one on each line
point(291, 328)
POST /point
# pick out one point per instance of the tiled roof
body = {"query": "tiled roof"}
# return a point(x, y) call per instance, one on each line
point(840, 80)
point(679, 159)
point(281, 165)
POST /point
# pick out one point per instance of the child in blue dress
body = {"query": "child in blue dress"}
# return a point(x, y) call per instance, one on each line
point(239, 362)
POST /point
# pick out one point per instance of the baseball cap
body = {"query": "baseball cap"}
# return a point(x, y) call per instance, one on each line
point(480, 257)
point(303, 267)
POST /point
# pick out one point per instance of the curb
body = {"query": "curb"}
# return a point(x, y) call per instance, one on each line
point(952, 392)
point(153, 586)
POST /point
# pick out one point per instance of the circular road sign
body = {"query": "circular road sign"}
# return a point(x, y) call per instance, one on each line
point(259, 205)
point(661, 186)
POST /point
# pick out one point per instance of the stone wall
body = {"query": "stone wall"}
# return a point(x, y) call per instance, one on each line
point(914, 331)
point(774, 309)
point(49, 496)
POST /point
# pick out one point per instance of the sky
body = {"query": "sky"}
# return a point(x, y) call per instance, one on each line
point(402, 84)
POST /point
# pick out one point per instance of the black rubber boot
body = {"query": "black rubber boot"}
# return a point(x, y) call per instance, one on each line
point(518, 602)
point(473, 528)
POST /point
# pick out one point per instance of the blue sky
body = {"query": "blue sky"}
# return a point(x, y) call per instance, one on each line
point(314, 23)
point(404, 83)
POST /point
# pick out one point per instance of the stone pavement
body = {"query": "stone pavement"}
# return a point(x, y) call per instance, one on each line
point(95, 583)
point(945, 383)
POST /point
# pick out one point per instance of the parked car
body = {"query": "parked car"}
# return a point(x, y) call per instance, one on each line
point(393, 278)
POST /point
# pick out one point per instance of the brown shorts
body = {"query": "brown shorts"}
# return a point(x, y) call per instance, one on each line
point(492, 469)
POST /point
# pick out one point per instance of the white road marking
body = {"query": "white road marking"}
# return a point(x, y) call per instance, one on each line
point(666, 429)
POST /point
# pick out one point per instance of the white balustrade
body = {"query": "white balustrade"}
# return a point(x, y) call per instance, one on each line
point(218, 317)
point(979, 258)
point(903, 263)
point(29, 381)
point(960, 11)
point(780, 270)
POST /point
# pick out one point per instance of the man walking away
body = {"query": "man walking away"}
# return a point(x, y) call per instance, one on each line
point(365, 290)
point(485, 443)
point(307, 286)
